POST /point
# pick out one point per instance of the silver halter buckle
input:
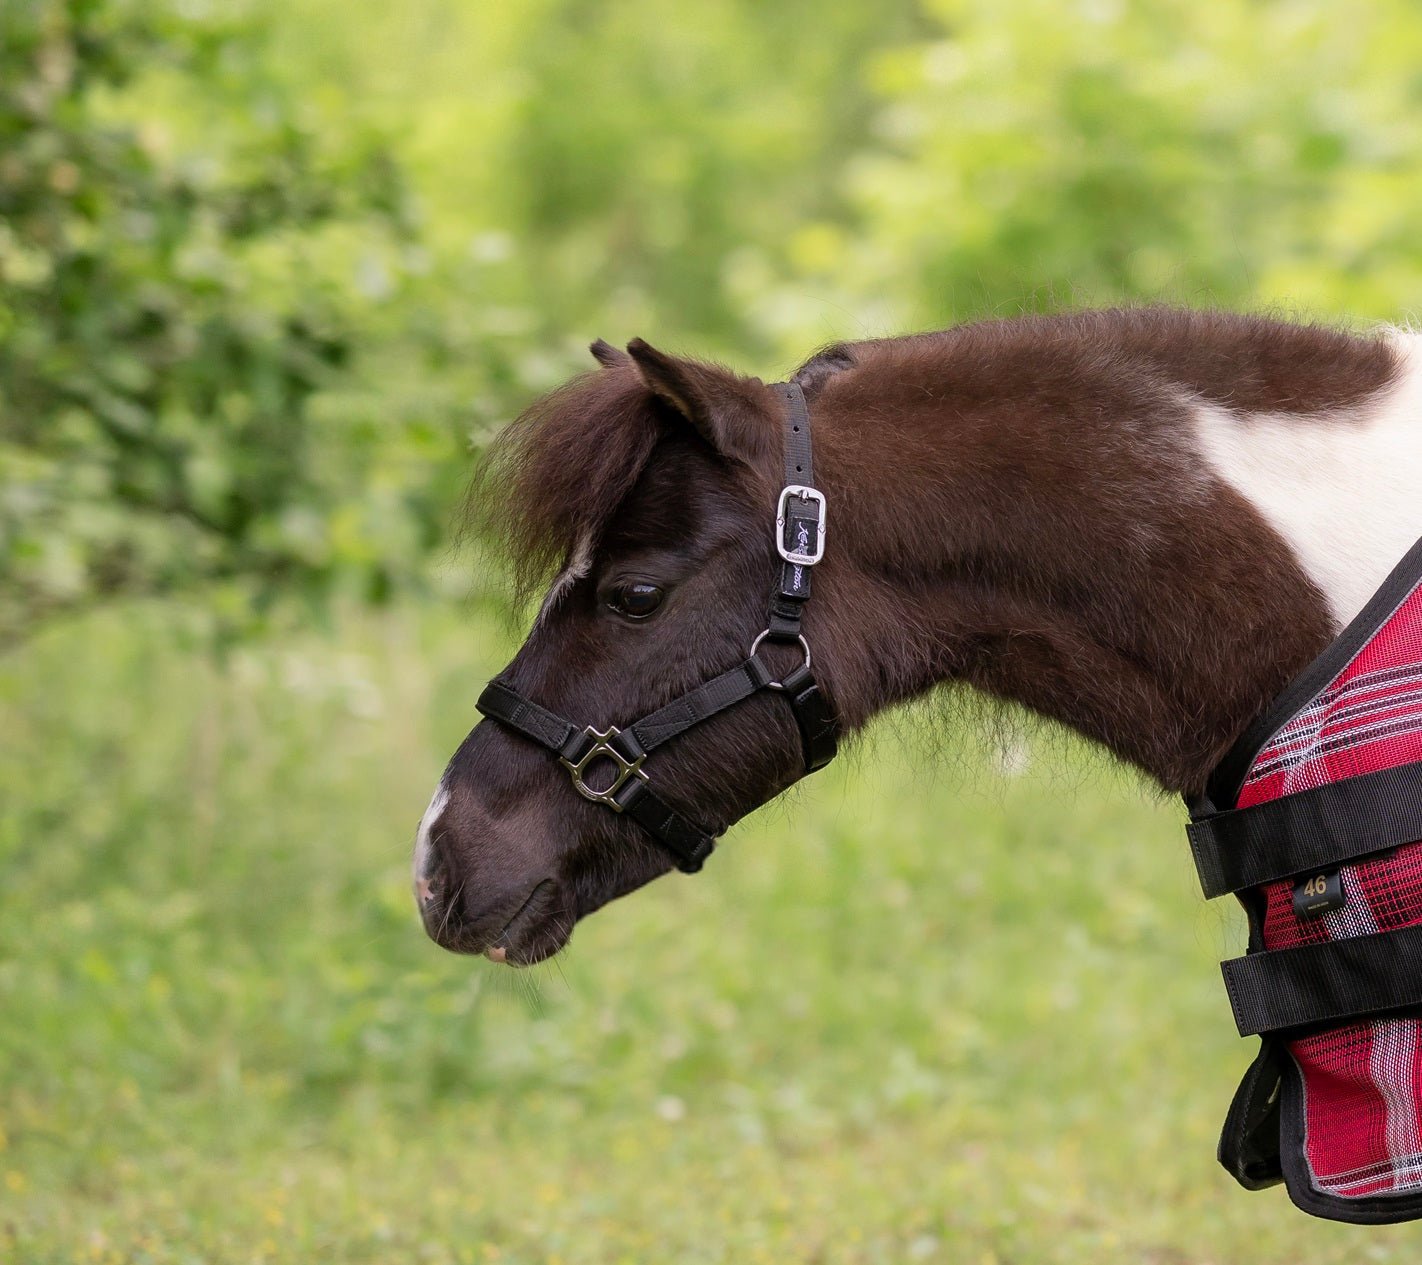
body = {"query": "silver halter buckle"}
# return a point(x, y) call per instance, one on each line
point(602, 748)
point(801, 557)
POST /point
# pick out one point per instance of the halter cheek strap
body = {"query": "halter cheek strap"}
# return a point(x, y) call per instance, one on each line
point(800, 542)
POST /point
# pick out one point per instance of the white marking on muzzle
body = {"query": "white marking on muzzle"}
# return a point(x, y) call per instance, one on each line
point(420, 862)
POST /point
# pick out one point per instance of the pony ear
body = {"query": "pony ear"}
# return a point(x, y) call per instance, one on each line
point(607, 355)
point(726, 410)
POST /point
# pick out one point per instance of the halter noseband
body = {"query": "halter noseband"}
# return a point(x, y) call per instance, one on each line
point(800, 541)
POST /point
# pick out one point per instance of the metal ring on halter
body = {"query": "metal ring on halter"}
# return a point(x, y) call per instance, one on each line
point(804, 645)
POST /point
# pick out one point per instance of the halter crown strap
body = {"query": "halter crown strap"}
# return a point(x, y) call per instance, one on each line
point(799, 519)
point(800, 542)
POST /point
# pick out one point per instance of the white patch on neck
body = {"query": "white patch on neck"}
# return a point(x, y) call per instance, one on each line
point(420, 863)
point(1342, 489)
point(578, 567)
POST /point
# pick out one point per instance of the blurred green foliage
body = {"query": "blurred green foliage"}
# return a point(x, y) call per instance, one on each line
point(268, 273)
point(758, 179)
point(175, 315)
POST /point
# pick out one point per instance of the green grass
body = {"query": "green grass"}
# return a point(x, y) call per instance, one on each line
point(954, 1014)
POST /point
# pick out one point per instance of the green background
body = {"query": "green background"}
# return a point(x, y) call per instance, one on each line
point(270, 276)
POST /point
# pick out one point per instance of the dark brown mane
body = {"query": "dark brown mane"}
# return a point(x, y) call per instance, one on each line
point(1250, 363)
point(556, 475)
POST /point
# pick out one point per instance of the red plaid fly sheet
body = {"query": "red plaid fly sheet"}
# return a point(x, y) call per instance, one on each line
point(1335, 1108)
point(1362, 1083)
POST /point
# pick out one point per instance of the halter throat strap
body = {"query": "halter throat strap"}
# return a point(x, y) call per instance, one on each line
point(799, 540)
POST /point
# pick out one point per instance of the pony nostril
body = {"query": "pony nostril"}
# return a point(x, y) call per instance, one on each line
point(436, 898)
point(431, 878)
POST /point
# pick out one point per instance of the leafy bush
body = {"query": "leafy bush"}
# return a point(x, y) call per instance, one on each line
point(172, 308)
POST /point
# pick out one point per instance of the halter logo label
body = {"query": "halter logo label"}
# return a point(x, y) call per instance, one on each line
point(802, 545)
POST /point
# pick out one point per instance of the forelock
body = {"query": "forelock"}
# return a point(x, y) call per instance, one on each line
point(554, 478)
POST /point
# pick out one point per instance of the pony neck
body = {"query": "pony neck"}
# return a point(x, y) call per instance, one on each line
point(1121, 521)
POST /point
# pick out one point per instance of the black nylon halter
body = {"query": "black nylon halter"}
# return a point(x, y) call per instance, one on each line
point(800, 541)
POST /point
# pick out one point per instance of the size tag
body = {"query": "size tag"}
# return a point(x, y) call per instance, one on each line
point(1318, 894)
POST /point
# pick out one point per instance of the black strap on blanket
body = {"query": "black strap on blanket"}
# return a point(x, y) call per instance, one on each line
point(1309, 830)
point(1249, 1141)
point(1325, 982)
point(606, 764)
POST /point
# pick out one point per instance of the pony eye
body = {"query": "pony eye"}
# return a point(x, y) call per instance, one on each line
point(636, 601)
